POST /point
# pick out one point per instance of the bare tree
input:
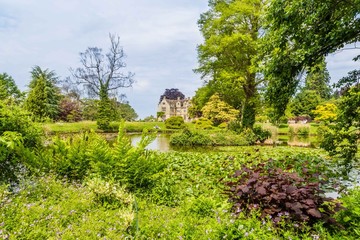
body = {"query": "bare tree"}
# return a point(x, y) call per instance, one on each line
point(102, 74)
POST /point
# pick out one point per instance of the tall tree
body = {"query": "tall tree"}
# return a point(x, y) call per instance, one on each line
point(202, 96)
point(226, 58)
point(44, 96)
point(299, 33)
point(8, 88)
point(101, 75)
point(305, 102)
point(318, 80)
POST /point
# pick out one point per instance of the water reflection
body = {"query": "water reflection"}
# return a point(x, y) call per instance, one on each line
point(162, 143)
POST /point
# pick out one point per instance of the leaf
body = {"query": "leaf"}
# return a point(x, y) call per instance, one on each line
point(252, 180)
point(313, 212)
point(261, 190)
point(290, 189)
point(237, 173)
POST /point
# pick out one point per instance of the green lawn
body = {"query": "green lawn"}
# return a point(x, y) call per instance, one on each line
point(62, 127)
point(283, 129)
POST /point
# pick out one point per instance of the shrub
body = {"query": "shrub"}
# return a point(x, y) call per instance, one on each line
point(15, 119)
point(18, 136)
point(350, 216)
point(46, 208)
point(176, 122)
point(261, 134)
point(235, 126)
point(223, 125)
point(110, 194)
point(280, 194)
point(230, 138)
point(203, 123)
point(89, 153)
point(189, 138)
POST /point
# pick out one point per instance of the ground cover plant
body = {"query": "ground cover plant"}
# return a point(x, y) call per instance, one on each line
point(87, 187)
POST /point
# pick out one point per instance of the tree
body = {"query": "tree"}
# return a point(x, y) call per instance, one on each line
point(172, 94)
point(69, 110)
point(227, 56)
point(44, 96)
point(125, 111)
point(299, 33)
point(325, 112)
point(8, 88)
point(202, 96)
point(341, 139)
point(219, 111)
point(318, 80)
point(102, 75)
point(304, 103)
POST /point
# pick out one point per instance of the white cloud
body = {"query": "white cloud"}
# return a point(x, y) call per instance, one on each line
point(159, 38)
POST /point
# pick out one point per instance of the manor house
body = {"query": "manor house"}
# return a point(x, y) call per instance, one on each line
point(173, 103)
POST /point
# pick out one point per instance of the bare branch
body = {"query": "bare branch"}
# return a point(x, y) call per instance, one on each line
point(103, 72)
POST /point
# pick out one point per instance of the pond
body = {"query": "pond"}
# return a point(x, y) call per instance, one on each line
point(162, 142)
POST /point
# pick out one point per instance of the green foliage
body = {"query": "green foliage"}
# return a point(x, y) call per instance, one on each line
point(318, 80)
point(45, 208)
point(89, 109)
point(261, 134)
point(312, 30)
point(18, 136)
point(305, 103)
point(103, 117)
point(43, 97)
point(219, 111)
point(122, 110)
point(159, 115)
point(203, 123)
point(15, 119)
point(235, 126)
point(8, 88)
point(189, 138)
point(326, 112)
point(88, 153)
point(110, 194)
point(228, 54)
point(175, 122)
point(350, 216)
point(229, 138)
point(341, 139)
point(202, 96)
point(178, 194)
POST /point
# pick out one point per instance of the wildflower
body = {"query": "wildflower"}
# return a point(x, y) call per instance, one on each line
point(315, 237)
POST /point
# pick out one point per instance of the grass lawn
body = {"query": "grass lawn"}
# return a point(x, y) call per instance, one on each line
point(283, 129)
point(62, 127)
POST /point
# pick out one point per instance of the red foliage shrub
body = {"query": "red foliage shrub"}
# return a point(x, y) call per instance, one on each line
point(280, 194)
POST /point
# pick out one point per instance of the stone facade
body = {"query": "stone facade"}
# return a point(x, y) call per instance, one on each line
point(177, 107)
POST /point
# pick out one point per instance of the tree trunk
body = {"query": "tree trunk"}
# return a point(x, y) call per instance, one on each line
point(104, 113)
point(249, 106)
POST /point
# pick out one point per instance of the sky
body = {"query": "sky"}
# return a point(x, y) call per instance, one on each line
point(159, 38)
